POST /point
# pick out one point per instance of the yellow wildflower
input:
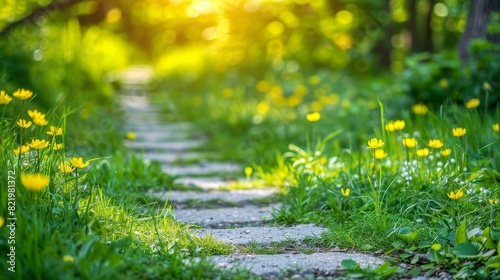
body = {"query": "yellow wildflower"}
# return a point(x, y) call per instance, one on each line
point(375, 143)
point(313, 117)
point(420, 109)
point(262, 108)
point(23, 94)
point(380, 154)
point(456, 195)
point(436, 247)
point(68, 258)
point(23, 123)
point(38, 144)
point(78, 162)
point(57, 146)
point(435, 143)
point(410, 142)
point(65, 167)
point(395, 125)
point(21, 149)
point(345, 192)
point(443, 83)
point(459, 131)
point(473, 103)
point(248, 171)
point(37, 117)
point(35, 182)
point(130, 136)
point(445, 152)
point(496, 127)
point(4, 98)
point(423, 152)
point(493, 200)
point(2, 221)
point(55, 131)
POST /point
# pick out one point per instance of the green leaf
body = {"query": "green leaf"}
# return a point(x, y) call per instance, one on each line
point(414, 260)
point(489, 242)
point(386, 269)
point(349, 264)
point(493, 262)
point(461, 234)
point(467, 250)
point(415, 272)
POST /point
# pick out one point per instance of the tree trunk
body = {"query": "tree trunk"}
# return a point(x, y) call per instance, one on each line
point(477, 22)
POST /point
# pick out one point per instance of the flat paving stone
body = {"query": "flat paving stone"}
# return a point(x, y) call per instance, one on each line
point(263, 236)
point(155, 136)
point(225, 217)
point(203, 168)
point(235, 196)
point(272, 266)
point(206, 183)
point(166, 145)
point(174, 156)
point(178, 127)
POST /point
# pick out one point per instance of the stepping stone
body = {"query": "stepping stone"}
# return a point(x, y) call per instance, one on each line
point(263, 236)
point(180, 127)
point(272, 266)
point(203, 168)
point(225, 217)
point(234, 196)
point(173, 156)
point(166, 146)
point(206, 183)
point(157, 136)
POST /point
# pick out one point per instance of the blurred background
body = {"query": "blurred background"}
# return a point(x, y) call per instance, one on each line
point(337, 51)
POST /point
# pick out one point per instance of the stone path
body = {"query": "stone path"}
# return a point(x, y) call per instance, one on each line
point(239, 217)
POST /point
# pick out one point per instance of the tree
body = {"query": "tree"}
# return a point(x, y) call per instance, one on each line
point(479, 15)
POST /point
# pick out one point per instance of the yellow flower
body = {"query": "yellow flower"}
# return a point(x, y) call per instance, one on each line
point(473, 103)
point(22, 123)
point(21, 149)
point(78, 162)
point(443, 83)
point(65, 167)
point(37, 117)
point(493, 200)
point(248, 171)
point(395, 125)
point(68, 258)
point(456, 195)
point(314, 80)
point(35, 182)
point(57, 146)
point(445, 152)
point(313, 117)
point(496, 127)
point(410, 142)
point(2, 221)
point(375, 143)
point(486, 86)
point(435, 143)
point(423, 152)
point(38, 144)
point(345, 192)
point(23, 94)
point(262, 108)
point(4, 98)
point(459, 131)
point(420, 109)
point(323, 160)
point(131, 136)
point(380, 154)
point(55, 131)
point(436, 247)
